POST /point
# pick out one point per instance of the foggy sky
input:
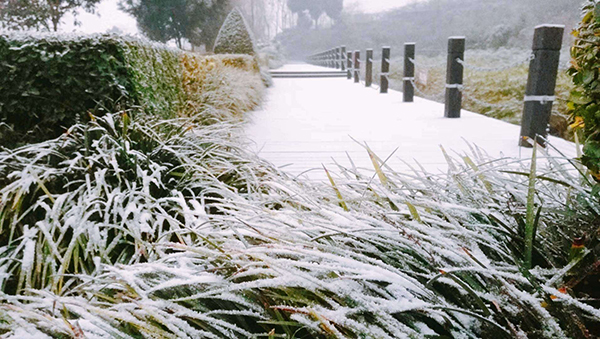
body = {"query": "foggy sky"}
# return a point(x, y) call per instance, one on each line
point(371, 6)
point(108, 15)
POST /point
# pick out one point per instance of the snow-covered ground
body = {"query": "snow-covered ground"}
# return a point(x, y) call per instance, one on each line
point(308, 122)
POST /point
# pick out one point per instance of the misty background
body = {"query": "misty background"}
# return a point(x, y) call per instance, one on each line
point(303, 27)
point(487, 24)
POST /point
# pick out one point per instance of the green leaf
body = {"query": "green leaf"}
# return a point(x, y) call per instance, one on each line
point(588, 76)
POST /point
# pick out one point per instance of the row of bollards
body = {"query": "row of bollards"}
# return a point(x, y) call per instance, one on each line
point(539, 94)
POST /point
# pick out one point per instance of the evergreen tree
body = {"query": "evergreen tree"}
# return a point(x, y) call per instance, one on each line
point(209, 24)
point(197, 21)
point(235, 36)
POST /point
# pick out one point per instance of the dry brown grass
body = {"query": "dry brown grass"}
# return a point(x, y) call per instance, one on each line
point(222, 87)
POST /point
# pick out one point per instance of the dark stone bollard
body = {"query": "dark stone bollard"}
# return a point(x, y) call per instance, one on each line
point(332, 55)
point(356, 67)
point(385, 70)
point(343, 58)
point(332, 58)
point(454, 77)
point(408, 91)
point(350, 66)
point(369, 68)
point(541, 84)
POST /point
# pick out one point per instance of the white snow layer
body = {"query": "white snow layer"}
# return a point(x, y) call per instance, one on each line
point(308, 122)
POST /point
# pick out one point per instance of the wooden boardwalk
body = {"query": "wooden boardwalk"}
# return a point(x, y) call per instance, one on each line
point(307, 122)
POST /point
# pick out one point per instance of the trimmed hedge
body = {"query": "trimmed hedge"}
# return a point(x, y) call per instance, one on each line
point(235, 36)
point(50, 82)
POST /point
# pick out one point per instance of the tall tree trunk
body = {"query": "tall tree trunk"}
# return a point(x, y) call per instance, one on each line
point(55, 14)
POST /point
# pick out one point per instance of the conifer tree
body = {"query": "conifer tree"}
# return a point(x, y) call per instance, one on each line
point(235, 37)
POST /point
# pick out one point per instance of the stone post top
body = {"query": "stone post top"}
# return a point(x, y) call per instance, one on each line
point(548, 37)
point(456, 45)
point(550, 26)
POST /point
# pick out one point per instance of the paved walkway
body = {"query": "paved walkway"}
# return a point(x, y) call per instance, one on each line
point(308, 122)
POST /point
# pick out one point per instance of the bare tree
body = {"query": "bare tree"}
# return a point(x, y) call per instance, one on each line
point(266, 18)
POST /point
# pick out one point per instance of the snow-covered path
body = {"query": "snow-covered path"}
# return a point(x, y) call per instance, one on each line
point(308, 122)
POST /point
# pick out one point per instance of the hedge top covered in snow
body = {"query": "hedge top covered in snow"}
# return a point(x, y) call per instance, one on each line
point(235, 37)
point(51, 81)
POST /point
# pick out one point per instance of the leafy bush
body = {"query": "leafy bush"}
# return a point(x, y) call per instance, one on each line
point(50, 82)
point(234, 36)
point(585, 99)
point(155, 72)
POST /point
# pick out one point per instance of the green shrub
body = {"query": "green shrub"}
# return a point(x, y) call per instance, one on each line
point(234, 36)
point(585, 99)
point(50, 82)
point(155, 74)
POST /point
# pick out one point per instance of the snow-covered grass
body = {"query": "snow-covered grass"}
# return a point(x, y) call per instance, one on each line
point(498, 94)
point(148, 228)
point(221, 87)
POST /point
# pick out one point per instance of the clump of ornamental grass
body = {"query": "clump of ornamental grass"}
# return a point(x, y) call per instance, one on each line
point(108, 192)
point(219, 89)
point(177, 233)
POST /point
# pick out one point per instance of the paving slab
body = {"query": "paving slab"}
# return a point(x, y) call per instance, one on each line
point(306, 123)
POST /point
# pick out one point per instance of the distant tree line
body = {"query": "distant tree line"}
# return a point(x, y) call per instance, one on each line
point(314, 9)
point(194, 21)
point(485, 23)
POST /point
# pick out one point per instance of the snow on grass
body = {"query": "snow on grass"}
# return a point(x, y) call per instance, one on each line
point(149, 228)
